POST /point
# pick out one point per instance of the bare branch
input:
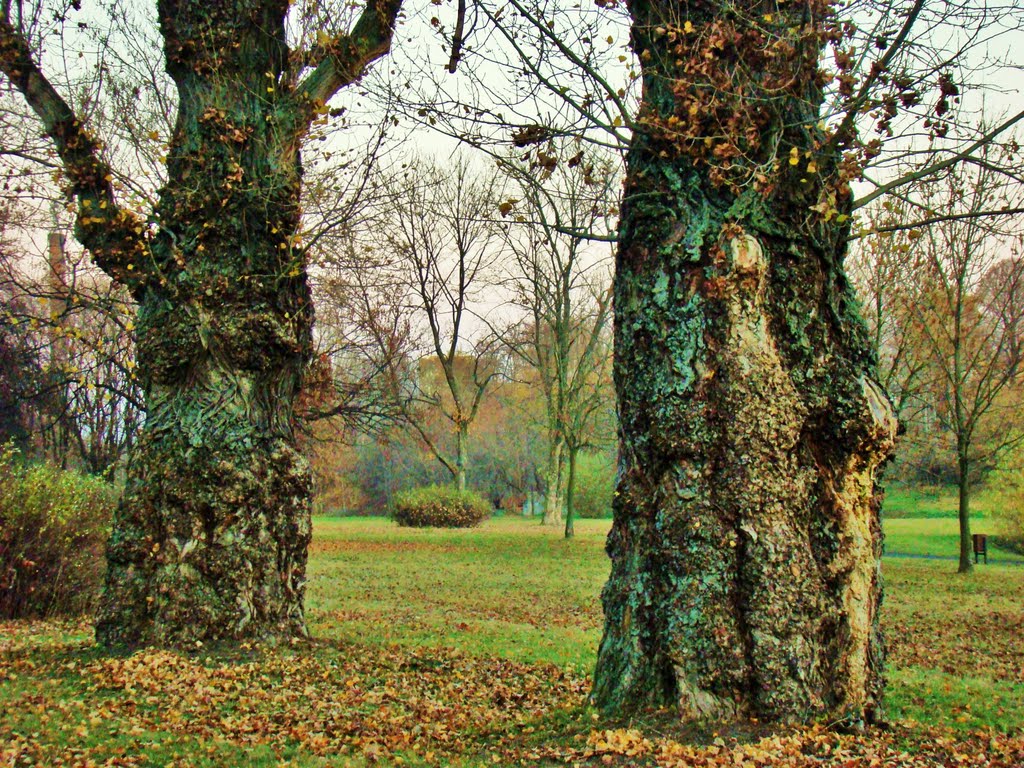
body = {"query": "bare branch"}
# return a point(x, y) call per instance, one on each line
point(845, 130)
point(931, 170)
point(458, 38)
point(113, 235)
point(346, 58)
point(904, 226)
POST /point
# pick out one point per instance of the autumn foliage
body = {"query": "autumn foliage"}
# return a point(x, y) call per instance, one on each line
point(52, 528)
point(440, 506)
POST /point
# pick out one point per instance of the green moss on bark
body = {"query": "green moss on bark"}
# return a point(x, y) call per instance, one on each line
point(746, 543)
point(210, 538)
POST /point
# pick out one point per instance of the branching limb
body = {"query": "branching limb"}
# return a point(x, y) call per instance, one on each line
point(934, 168)
point(345, 58)
point(115, 237)
point(458, 38)
point(902, 227)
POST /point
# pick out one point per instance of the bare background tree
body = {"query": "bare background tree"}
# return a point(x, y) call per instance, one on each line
point(561, 283)
point(947, 303)
point(436, 238)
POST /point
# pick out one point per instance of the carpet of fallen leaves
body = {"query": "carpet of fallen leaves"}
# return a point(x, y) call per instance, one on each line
point(328, 699)
point(358, 705)
point(993, 641)
point(465, 682)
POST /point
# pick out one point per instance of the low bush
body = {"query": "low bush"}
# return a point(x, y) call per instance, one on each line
point(53, 527)
point(595, 485)
point(1005, 488)
point(439, 506)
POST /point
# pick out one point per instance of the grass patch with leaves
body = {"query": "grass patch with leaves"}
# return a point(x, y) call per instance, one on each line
point(474, 647)
point(932, 501)
point(939, 538)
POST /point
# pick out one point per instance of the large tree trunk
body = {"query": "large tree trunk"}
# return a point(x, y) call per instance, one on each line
point(746, 541)
point(210, 538)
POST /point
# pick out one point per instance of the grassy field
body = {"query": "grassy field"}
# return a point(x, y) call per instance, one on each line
point(938, 501)
point(475, 648)
point(938, 537)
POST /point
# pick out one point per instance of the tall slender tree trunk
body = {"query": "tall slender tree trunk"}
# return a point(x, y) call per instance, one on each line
point(964, 513)
point(57, 305)
point(570, 492)
point(210, 538)
point(746, 541)
point(462, 456)
point(554, 481)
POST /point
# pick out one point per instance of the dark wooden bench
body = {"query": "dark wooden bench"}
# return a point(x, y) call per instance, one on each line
point(980, 541)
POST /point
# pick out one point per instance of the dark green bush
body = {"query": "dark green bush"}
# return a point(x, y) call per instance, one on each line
point(439, 506)
point(595, 485)
point(1006, 496)
point(53, 527)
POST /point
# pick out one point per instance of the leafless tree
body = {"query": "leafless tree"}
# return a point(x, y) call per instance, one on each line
point(561, 283)
point(962, 320)
point(434, 243)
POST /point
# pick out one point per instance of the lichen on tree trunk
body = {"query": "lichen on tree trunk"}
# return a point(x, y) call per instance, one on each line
point(210, 537)
point(209, 540)
point(746, 541)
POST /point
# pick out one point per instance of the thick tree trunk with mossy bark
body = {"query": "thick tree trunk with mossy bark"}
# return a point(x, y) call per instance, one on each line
point(209, 540)
point(210, 537)
point(746, 541)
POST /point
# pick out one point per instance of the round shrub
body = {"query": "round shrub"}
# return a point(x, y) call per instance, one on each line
point(595, 485)
point(439, 506)
point(53, 528)
point(1006, 493)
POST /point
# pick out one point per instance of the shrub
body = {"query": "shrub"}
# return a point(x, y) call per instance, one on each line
point(439, 506)
point(53, 526)
point(383, 469)
point(595, 485)
point(1006, 493)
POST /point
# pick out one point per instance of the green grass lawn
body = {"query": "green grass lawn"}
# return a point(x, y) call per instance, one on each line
point(930, 501)
point(938, 537)
point(511, 587)
point(474, 647)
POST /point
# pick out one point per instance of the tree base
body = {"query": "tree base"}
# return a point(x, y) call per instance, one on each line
point(198, 556)
point(746, 543)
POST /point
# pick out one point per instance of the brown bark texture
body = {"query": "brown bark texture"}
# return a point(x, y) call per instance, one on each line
point(209, 540)
point(746, 541)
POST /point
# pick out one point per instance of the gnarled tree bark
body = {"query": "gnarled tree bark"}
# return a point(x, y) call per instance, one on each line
point(746, 541)
point(209, 540)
